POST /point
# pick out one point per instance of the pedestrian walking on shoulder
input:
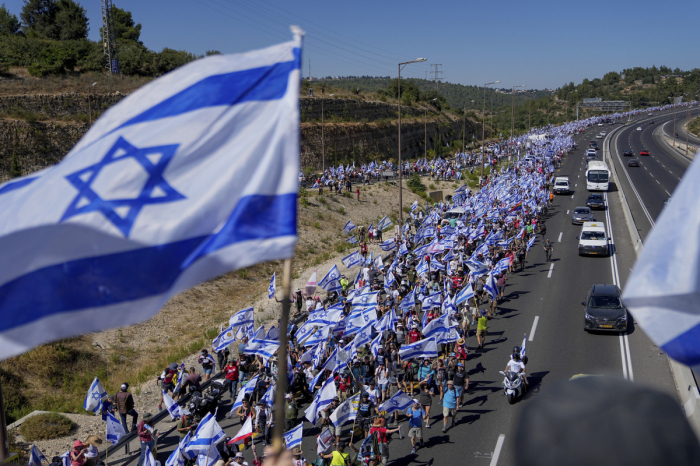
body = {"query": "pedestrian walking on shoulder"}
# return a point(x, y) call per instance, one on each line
point(125, 406)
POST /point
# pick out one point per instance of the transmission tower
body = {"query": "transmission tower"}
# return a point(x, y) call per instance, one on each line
point(109, 39)
point(436, 75)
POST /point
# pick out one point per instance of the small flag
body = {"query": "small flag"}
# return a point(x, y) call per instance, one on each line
point(115, 430)
point(173, 408)
point(352, 240)
point(93, 399)
point(36, 457)
point(348, 227)
point(293, 437)
point(272, 288)
point(311, 285)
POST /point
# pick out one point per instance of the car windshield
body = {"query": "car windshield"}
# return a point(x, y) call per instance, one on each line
point(582, 211)
point(605, 302)
point(592, 236)
point(595, 197)
point(598, 176)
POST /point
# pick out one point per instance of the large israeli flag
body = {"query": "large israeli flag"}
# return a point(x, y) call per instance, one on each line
point(173, 186)
point(663, 290)
point(398, 402)
point(421, 349)
point(263, 348)
point(346, 412)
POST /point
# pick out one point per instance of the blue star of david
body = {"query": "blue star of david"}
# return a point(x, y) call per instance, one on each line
point(108, 206)
point(96, 396)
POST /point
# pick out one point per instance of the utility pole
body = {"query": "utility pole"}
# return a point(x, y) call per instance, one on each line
point(109, 39)
point(436, 75)
point(309, 69)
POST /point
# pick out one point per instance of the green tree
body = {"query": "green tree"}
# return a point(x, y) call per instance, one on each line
point(209, 53)
point(126, 29)
point(71, 20)
point(169, 59)
point(39, 18)
point(9, 23)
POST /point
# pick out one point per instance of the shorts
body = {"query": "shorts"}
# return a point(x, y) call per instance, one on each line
point(384, 386)
point(415, 432)
point(449, 412)
point(459, 390)
point(168, 387)
point(501, 289)
point(481, 332)
point(207, 371)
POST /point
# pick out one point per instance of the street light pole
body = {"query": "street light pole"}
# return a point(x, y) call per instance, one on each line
point(483, 131)
point(323, 137)
point(425, 141)
point(512, 115)
point(401, 65)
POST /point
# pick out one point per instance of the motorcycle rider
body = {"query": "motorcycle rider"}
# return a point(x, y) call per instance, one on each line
point(517, 366)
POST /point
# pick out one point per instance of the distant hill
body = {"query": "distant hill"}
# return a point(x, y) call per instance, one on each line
point(455, 94)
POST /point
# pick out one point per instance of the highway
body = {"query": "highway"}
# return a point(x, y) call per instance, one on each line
point(544, 302)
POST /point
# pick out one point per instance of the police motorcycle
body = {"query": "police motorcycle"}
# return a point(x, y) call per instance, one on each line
point(514, 384)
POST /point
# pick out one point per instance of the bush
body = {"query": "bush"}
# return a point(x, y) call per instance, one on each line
point(415, 184)
point(46, 426)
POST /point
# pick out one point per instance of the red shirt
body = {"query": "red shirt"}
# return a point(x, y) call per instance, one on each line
point(414, 336)
point(381, 433)
point(231, 372)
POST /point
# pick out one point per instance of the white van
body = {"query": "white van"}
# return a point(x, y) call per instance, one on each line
point(593, 239)
point(455, 213)
point(561, 185)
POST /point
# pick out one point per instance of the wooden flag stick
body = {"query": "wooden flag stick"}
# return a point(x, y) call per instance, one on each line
point(278, 416)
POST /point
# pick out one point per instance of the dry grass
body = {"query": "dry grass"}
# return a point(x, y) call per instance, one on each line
point(46, 426)
point(18, 82)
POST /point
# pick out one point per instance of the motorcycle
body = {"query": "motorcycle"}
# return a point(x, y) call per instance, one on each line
point(513, 385)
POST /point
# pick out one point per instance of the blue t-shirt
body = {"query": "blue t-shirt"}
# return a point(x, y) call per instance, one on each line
point(415, 417)
point(449, 399)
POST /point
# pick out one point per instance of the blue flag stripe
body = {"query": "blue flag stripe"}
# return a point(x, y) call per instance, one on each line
point(137, 274)
point(256, 84)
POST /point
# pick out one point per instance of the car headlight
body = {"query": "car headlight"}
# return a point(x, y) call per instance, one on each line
point(588, 317)
point(623, 318)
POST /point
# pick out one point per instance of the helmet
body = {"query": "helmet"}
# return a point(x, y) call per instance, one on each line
point(516, 357)
point(365, 395)
point(516, 349)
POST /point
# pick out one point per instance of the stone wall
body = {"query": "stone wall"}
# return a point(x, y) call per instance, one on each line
point(355, 130)
point(58, 106)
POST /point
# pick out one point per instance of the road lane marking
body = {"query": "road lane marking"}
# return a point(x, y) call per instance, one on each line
point(622, 354)
point(567, 212)
point(560, 235)
point(572, 196)
point(551, 268)
point(497, 451)
point(534, 328)
point(667, 192)
point(658, 181)
point(630, 374)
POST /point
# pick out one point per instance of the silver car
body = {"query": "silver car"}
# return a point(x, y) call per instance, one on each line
point(582, 214)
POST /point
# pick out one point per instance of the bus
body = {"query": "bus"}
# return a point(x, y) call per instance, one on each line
point(597, 176)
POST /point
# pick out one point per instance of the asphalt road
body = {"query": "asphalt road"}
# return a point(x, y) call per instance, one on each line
point(544, 302)
point(681, 119)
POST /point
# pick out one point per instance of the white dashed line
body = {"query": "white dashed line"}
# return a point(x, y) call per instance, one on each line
point(667, 192)
point(658, 181)
point(560, 235)
point(497, 451)
point(534, 328)
point(567, 212)
point(551, 268)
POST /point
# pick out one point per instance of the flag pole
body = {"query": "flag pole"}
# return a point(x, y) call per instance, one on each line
point(107, 454)
point(278, 415)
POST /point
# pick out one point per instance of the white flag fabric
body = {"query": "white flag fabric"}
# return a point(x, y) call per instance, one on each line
point(466, 294)
point(208, 433)
point(331, 281)
point(247, 389)
point(322, 399)
point(663, 290)
point(398, 402)
point(351, 260)
point(149, 460)
point(36, 457)
point(209, 458)
point(115, 430)
point(173, 186)
point(347, 411)
point(311, 285)
point(421, 349)
point(242, 318)
point(173, 408)
point(224, 339)
point(93, 399)
point(263, 348)
point(177, 458)
point(292, 438)
point(245, 431)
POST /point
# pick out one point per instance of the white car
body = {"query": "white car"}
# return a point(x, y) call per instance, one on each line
point(593, 239)
point(603, 133)
point(651, 114)
point(600, 124)
point(639, 128)
point(599, 136)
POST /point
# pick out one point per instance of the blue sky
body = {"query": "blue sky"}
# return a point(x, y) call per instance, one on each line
point(540, 44)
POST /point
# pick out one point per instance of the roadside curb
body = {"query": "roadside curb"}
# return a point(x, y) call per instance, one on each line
point(683, 377)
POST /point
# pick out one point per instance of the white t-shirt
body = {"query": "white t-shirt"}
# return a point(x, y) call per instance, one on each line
point(515, 366)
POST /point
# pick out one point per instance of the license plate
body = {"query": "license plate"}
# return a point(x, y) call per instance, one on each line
point(605, 326)
point(592, 252)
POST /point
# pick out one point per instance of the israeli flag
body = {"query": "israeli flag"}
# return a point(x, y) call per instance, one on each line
point(206, 459)
point(327, 317)
point(388, 245)
point(490, 287)
point(224, 339)
point(398, 402)
point(448, 336)
point(421, 349)
point(319, 336)
point(93, 399)
point(477, 268)
point(352, 240)
point(374, 346)
point(432, 302)
point(351, 260)
point(348, 227)
point(403, 249)
point(149, 460)
point(466, 294)
point(522, 348)
point(272, 289)
point(387, 322)
point(319, 351)
point(501, 266)
point(531, 241)
point(322, 399)
point(409, 301)
point(414, 206)
point(364, 302)
point(422, 268)
point(208, 433)
point(362, 337)
point(115, 431)
point(173, 408)
point(269, 396)
point(177, 458)
point(389, 281)
point(378, 262)
point(331, 281)
point(384, 224)
point(242, 318)
point(247, 389)
point(346, 411)
point(36, 457)
point(263, 348)
point(292, 438)
point(173, 186)
point(436, 265)
point(273, 333)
